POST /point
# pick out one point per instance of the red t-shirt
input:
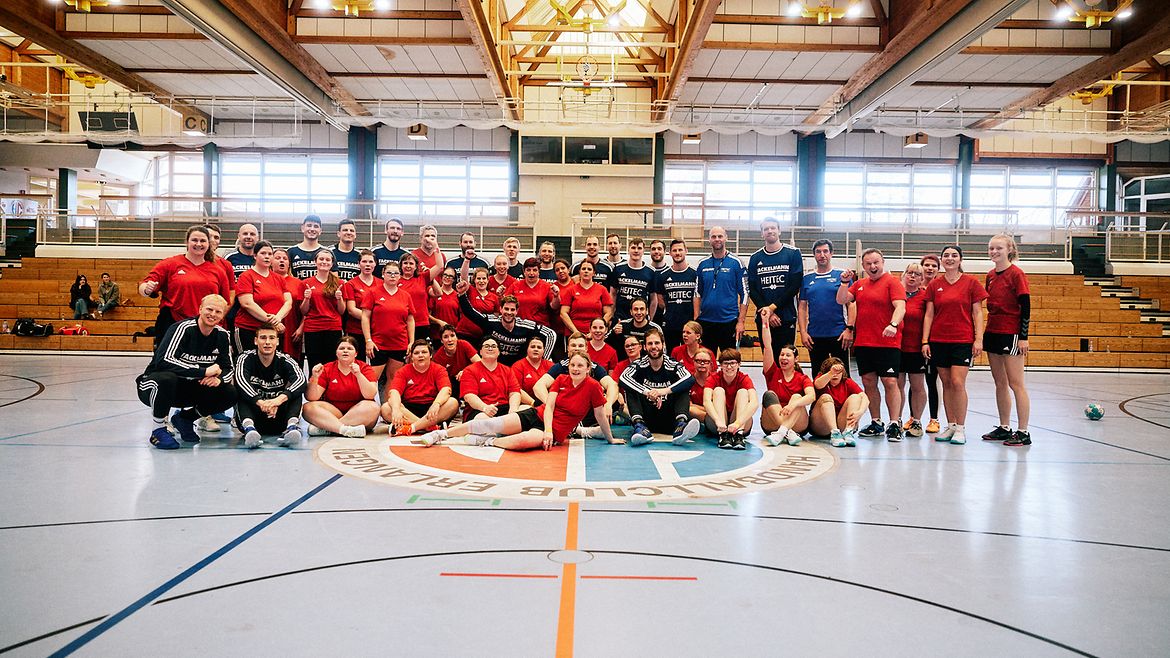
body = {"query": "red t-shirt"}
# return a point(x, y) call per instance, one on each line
point(501, 287)
point(953, 322)
point(619, 369)
point(228, 269)
point(445, 307)
point(786, 389)
point(293, 320)
point(355, 290)
point(573, 404)
point(341, 388)
point(457, 362)
point(586, 305)
point(840, 392)
point(606, 357)
point(679, 353)
point(492, 386)
point(527, 376)
point(388, 317)
point(912, 321)
point(875, 309)
point(697, 392)
point(426, 261)
point(487, 303)
point(420, 387)
point(266, 291)
point(417, 287)
point(182, 285)
point(1003, 299)
point(532, 302)
point(740, 381)
point(323, 314)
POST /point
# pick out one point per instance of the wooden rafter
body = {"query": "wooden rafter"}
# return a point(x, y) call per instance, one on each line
point(656, 17)
point(485, 44)
point(692, 34)
point(528, 6)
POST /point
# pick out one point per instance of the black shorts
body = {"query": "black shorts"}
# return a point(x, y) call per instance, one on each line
point(913, 363)
point(530, 420)
point(382, 356)
point(882, 360)
point(419, 409)
point(1002, 344)
point(949, 355)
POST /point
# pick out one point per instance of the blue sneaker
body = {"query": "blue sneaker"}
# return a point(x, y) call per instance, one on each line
point(186, 428)
point(252, 438)
point(162, 439)
point(850, 437)
point(642, 435)
point(685, 431)
point(221, 417)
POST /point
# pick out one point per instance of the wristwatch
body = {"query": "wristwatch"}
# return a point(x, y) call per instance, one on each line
point(850, 327)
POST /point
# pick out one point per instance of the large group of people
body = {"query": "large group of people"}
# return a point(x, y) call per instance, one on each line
point(524, 354)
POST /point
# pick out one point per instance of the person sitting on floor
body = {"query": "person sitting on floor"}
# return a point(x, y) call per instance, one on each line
point(420, 394)
point(730, 399)
point(341, 395)
point(658, 394)
point(269, 387)
point(790, 391)
point(489, 387)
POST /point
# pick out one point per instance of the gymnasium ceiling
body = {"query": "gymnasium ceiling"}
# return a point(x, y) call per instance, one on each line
point(960, 65)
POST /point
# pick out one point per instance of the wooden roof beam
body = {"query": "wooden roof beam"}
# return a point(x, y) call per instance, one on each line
point(484, 39)
point(692, 34)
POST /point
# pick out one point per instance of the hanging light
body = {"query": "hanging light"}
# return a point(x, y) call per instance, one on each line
point(825, 11)
point(88, 5)
point(352, 8)
point(1089, 13)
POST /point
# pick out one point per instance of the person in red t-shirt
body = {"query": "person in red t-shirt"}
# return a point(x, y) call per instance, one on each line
point(420, 394)
point(913, 364)
point(454, 354)
point(488, 387)
point(952, 336)
point(840, 403)
point(293, 333)
point(536, 298)
point(443, 301)
point(321, 311)
point(692, 343)
point(704, 361)
point(416, 281)
point(601, 352)
point(341, 395)
point(790, 391)
point(388, 322)
point(633, 351)
point(529, 370)
point(430, 259)
point(1009, 310)
point(877, 346)
point(481, 299)
point(584, 301)
point(570, 399)
point(501, 281)
point(263, 298)
point(353, 291)
point(183, 281)
point(730, 399)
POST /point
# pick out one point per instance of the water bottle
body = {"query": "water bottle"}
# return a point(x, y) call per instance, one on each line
point(5, 330)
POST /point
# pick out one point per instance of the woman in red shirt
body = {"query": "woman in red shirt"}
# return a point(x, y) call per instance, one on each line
point(535, 298)
point(790, 391)
point(584, 301)
point(529, 370)
point(417, 281)
point(388, 322)
point(341, 395)
point(353, 292)
point(481, 299)
point(633, 351)
point(692, 342)
point(501, 281)
point(930, 267)
point(183, 281)
point(488, 387)
point(600, 352)
point(454, 354)
point(704, 360)
point(952, 336)
point(729, 397)
point(840, 403)
point(262, 296)
point(1009, 309)
point(913, 365)
point(293, 332)
point(570, 399)
point(419, 394)
point(562, 271)
point(444, 301)
point(321, 310)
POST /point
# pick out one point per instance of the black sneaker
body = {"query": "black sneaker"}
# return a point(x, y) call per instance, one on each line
point(1000, 433)
point(894, 431)
point(875, 428)
point(725, 441)
point(1019, 438)
point(739, 440)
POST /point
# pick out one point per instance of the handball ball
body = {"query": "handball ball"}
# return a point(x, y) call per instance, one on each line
point(1094, 411)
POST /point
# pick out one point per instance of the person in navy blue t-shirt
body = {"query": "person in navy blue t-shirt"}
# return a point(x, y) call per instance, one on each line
point(826, 327)
point(346, 257)
point(674, 294)
point(467, 254)
point(631, 280)
point(721, 294)
point(774, 275)
point(302, 258)
point(390, 250)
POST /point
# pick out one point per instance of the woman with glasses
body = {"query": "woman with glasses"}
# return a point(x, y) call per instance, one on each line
point(488, 387)
point(444, 301)
point(704, 362)
point(913, 364)
point(730, 399)
point(481, 299)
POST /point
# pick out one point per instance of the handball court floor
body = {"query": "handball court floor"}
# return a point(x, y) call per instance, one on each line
point(110, 547)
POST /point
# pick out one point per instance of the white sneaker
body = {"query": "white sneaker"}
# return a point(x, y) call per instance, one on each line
point(947, 433)
point(959, 436)
point(776, 438)
point(353, 431)
point(431, 438)
point(252, 439)
point(794, 439)
point(479, 440)
point(207, 424)
point(292, 438)
point(317, 431)
point(591, 432)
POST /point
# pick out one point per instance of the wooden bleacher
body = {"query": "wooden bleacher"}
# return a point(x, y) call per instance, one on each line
point(1065, 311)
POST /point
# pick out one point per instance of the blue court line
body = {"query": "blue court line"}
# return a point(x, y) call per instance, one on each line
point(117, 617)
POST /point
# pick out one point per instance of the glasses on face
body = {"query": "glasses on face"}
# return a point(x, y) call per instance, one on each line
point(448, 276)
point(728, 364)
point(392, 273)
point(698, 361)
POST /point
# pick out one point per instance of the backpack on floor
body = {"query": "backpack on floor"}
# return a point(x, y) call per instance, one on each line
point(75, 330)
point(30, 327)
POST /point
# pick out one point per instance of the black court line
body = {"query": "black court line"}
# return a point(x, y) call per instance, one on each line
point(734, 563)
point(40, 389)
point(1132, 415)
point(76, 381)
point(1033, 426)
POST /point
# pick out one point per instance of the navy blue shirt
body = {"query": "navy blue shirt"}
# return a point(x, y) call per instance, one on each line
point(722, 285)
point(456, 264)
point(548, 275)
point(627, 284)
point(346, 265)
point(384, 255)
point(826, 318)
point(240, 262)
point(678, 296)
point(775, 278)
point(301, 263)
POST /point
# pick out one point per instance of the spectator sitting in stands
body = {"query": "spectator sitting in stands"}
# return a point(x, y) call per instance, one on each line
point(109, 295)
point(79, 297)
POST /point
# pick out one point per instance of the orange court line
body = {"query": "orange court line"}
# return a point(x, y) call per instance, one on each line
point(639, 577)
point(566, 616)
point(500, 575)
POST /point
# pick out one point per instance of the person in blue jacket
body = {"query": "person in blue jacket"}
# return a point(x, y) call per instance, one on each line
point(721, 294)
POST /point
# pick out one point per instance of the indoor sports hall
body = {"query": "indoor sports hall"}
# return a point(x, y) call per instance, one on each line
point(210, 202)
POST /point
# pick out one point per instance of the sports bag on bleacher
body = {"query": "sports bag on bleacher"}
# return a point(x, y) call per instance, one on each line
point(30, 327)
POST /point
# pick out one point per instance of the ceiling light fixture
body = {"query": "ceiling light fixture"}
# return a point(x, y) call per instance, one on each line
point(825, 11)
point(88, 5)
point(1087, 11)
point(351, 8)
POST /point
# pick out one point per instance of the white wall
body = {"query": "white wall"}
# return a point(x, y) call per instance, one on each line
point(559, 198)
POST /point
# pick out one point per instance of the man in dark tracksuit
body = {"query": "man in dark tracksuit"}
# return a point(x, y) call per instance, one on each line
point(658, 395)
point(269, 388)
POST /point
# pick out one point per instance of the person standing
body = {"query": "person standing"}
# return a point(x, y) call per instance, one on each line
point(881, 305)
point(775, 273)
point(346, 257)
point(636, 325)
point(430, 259)
point(930, 268)
point(674, 290)
point(388, 322)
point(546, 255)
point(1005, 341)
point(483, 300)
point(182, 281)
point(244, 255)
point(500, 280)
point(583, 302)
point(536, 299)
point(294, 333)
point(416, 281)
point(516, 266)
point(321, 311)
point(631, 280)
point(443, 302)
point(510, 333)
point(721, 294)
point(613, 250)
point(658, 395)
point(658, 260)
point(912, 364)
point(455, 354)
point(601, 269)
point(390, 250)
point(303, 257)
point(353, 292)
point(952, 336)
point(467, 255)
point(269, 387)
point(826, 327)
point(262, 298)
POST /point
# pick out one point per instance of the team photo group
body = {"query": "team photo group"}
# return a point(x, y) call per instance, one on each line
point(528, 352)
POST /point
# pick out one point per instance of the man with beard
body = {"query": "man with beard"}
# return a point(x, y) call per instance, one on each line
point(658, 395)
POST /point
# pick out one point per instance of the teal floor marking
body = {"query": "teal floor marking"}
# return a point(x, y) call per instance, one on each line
point(730, 503)
point(415, 498)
